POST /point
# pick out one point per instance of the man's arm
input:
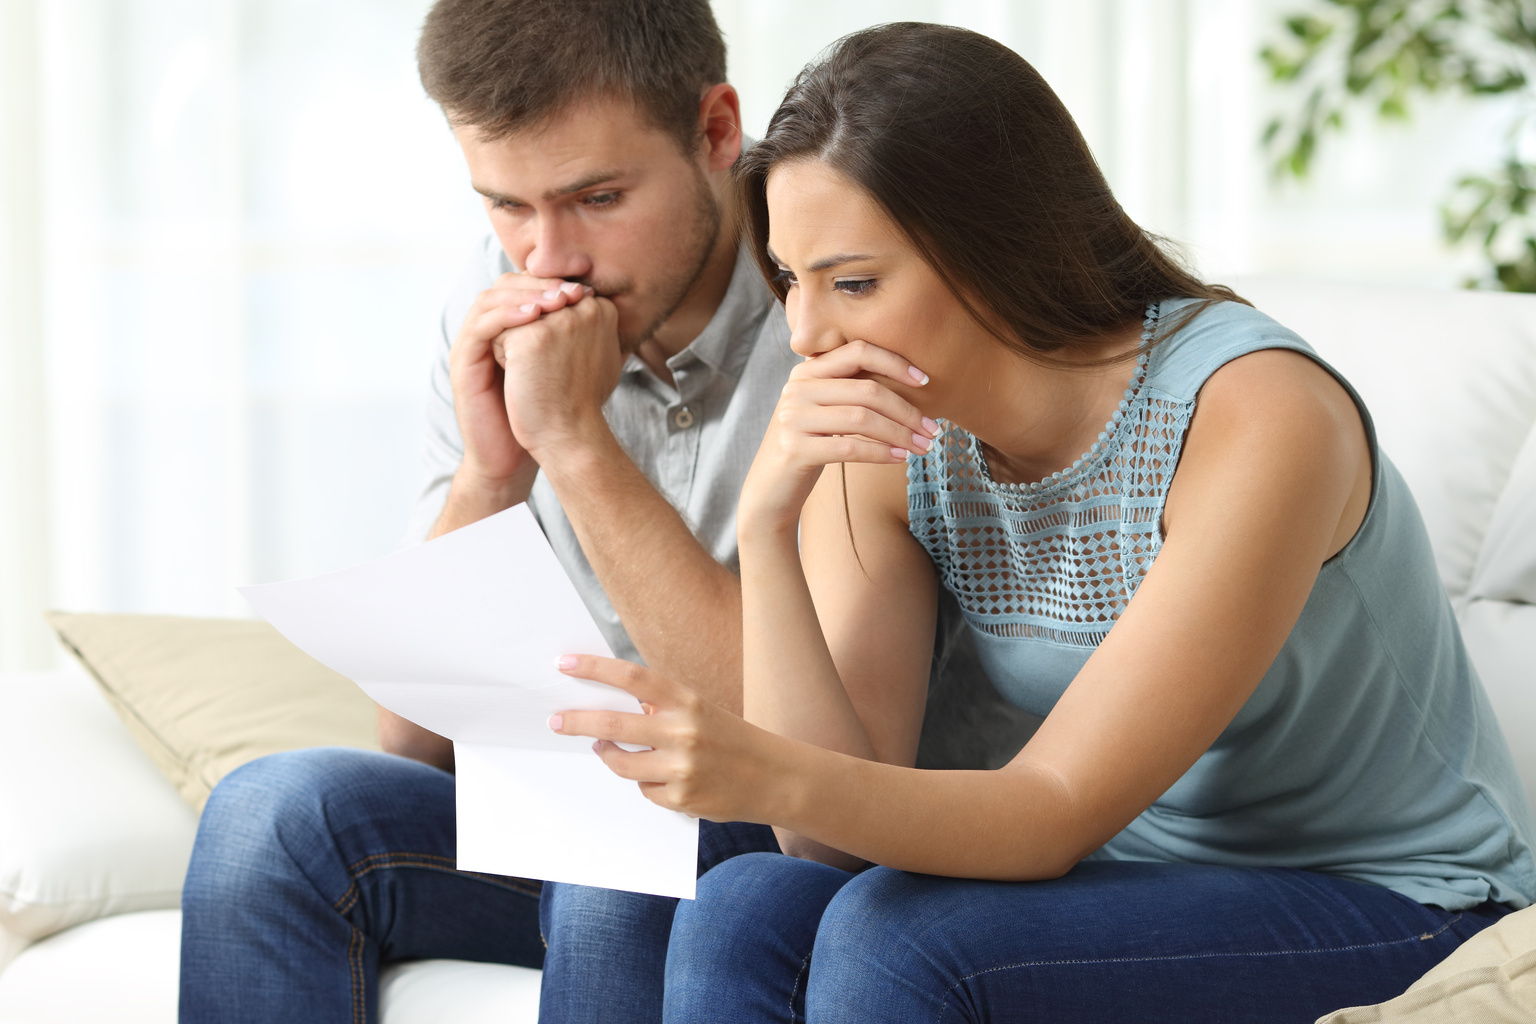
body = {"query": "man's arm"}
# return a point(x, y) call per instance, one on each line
point(681, 608)
point(494, 472)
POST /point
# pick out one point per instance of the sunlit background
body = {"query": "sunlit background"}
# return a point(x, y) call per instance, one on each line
point(229, 226)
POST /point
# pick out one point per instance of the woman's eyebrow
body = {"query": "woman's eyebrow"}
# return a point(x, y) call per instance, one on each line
point(826, 262)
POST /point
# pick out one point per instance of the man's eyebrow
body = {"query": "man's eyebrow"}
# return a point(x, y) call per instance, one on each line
point(580, 185)
point(826, 262)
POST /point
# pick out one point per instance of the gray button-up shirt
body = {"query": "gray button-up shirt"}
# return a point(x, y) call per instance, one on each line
point(695, 442)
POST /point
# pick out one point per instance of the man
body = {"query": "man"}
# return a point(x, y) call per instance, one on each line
point(613, 361)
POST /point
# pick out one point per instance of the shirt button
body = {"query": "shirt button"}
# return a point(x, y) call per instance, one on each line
point(683, 418)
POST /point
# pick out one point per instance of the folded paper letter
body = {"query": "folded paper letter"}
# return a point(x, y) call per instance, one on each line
point(460, 636)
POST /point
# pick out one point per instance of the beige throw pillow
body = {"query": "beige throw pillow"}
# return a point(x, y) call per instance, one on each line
point(1489, 979)
point(204, 696)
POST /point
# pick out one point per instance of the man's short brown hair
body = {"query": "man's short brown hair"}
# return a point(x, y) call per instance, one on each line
point(501, 66)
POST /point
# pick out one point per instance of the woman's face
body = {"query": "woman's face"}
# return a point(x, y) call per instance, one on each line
point(852, 276)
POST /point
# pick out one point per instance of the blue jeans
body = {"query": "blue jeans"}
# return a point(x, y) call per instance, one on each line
point(772, 938)
point(312, 866)
point(608, 949)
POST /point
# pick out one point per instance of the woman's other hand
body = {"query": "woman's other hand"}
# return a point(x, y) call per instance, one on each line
point(837, 407)
point(703, 760)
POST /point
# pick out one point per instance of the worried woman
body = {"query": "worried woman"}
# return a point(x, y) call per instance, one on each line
point(1267, 784)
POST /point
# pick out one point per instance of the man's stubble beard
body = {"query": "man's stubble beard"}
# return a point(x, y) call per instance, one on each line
point(703, 236)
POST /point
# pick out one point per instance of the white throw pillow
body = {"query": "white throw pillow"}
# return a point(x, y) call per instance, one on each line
point(88, 826)
point(1450, 379)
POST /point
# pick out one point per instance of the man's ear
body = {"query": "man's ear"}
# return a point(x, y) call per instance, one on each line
point(720, 125)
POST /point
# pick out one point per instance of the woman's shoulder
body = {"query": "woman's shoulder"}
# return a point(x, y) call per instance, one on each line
point(1195, 338)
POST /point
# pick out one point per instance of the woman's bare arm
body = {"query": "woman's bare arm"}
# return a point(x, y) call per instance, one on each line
point(839, 639)
point(1273, 481)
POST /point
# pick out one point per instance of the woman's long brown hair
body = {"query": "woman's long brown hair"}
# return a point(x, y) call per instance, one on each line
point(977, 161)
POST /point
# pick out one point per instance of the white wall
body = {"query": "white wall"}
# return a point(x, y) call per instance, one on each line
point(229, 224)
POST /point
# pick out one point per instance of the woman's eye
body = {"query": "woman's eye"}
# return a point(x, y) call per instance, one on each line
point(856, 286)
point(785, 278)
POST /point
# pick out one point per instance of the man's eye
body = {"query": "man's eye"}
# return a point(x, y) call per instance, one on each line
point(856, 286)
point(602, 199)
point(506, 205)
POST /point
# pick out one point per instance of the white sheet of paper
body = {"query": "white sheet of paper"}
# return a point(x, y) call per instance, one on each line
point(460, 636)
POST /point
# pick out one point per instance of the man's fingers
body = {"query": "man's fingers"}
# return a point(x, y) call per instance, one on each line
point(517, 305)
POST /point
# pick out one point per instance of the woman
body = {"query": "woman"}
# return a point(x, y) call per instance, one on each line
point(1267, 784)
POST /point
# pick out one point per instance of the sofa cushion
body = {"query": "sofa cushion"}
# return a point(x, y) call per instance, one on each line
point(204, 696)
point(122, 969)
point(428, 991)
point(88, 827)
point(129, 965)
point(1490, 979)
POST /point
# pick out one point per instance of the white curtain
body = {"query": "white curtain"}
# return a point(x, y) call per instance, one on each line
point(229, 225)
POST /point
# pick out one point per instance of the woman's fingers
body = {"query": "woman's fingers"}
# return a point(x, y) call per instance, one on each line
point(609, 726)
point(636, 680)
point(861, 407)
point(909, 432)
point(860, 357)
point(634, 765)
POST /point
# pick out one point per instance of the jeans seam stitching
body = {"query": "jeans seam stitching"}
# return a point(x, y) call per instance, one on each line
point(380, 861)
point(804, 963)
point(1422, 937)
point(355, 961)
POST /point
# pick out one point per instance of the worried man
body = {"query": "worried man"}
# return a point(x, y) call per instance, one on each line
point(610, 357)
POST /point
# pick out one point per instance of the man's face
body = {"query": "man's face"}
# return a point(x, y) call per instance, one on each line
point(600, 196)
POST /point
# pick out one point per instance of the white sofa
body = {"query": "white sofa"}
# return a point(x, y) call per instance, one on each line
point(94, 842)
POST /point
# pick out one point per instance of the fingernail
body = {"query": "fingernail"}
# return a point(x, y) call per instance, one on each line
point(553, 293)
point(931, 426)
point(565, 662)
point(527, 307)
point(923, 443)
point(597, 746)
point(556, 721)
point(900, 453)
point(917, 375)
point(570, 287)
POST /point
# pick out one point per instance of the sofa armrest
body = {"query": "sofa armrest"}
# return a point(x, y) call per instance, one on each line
point(88, 826)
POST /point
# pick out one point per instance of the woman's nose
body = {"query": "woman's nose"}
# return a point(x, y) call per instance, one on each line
point(811, 334)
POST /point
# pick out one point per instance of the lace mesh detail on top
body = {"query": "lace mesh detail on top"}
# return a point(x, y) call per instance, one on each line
point(1058, 559)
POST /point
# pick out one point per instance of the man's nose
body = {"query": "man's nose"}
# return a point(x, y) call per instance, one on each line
point(556, 253)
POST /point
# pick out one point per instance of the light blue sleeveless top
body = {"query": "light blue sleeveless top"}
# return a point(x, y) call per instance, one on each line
point(1369, 749)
